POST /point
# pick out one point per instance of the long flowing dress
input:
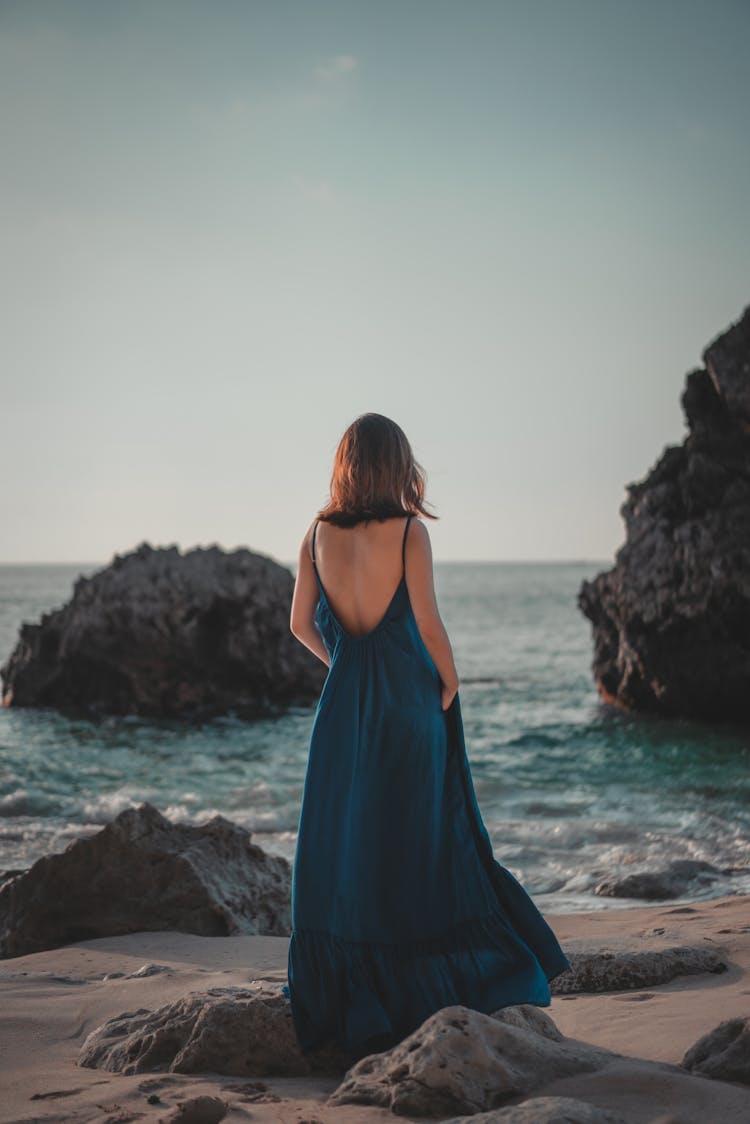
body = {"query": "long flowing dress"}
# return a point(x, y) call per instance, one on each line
point(399, 907)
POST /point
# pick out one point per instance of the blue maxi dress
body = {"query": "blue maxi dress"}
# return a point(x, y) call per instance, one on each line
point(398, 905)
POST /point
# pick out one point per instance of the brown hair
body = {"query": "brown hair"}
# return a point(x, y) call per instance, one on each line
point(375, 475)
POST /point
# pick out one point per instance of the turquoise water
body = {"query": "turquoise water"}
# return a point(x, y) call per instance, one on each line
point(571, 790)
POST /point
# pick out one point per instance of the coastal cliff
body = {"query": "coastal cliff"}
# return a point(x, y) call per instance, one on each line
point(671, 619)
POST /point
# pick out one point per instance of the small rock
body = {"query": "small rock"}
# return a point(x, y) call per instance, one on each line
point(723, 1053)
point(543, 1110)
point(197, 1110)
point(671, 882)
point(616, 971)
point(148, 970)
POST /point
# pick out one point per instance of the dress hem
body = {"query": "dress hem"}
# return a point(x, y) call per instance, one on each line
point(357, 990)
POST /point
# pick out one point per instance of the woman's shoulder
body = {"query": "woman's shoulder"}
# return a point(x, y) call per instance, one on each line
point(418, 530)
point(307, 538)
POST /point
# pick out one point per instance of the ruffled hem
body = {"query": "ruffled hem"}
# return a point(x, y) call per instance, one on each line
point(351, 992)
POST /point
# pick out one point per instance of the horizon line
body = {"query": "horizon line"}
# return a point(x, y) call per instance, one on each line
point(437, 561)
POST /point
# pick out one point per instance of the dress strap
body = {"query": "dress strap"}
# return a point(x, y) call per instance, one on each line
point(313, 540)
point(403, 544)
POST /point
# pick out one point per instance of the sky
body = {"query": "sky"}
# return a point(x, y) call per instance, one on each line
point(228, 228)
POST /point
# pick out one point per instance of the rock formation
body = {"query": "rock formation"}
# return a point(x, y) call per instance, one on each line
point(160, 633)
point(245, 1033)
point(143, 872)
point(458, 1063)
point(671, 619)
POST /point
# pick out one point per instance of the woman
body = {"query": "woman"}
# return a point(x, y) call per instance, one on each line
point(398, 905)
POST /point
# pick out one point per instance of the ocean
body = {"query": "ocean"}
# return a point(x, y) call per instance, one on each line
point(571, 791)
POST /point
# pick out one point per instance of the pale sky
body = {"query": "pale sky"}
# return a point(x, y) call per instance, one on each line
point(227, 228)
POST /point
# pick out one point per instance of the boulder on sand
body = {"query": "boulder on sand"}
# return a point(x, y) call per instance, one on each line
point(143, 872)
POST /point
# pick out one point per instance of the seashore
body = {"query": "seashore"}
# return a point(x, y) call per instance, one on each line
point(50, 1001)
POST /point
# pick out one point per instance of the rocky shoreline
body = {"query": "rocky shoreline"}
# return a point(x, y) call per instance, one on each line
point(654, 1026)
point(146, 965)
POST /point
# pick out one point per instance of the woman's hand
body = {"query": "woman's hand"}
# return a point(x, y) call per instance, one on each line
point(447, 695)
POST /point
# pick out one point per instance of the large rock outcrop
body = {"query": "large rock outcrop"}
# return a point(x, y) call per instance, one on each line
point(143, 872)
point(671, 619)
point(160, 633)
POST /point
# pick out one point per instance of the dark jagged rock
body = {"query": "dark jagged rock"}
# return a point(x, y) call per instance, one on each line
point(160, 633)
point(671, 619)
point(143, 872)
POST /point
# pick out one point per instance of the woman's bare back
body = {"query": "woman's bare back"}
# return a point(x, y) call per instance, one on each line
point(360, 568)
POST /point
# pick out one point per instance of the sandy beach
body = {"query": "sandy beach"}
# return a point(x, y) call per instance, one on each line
point(52, 1000)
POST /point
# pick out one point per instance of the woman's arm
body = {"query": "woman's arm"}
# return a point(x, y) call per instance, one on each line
point(420, 583)
point(304, 601)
